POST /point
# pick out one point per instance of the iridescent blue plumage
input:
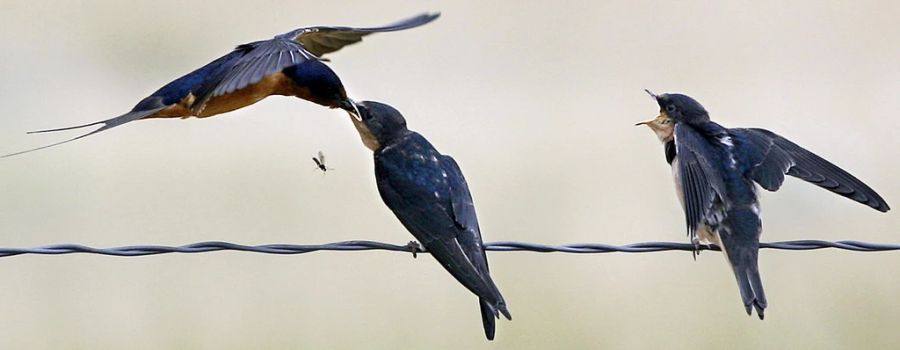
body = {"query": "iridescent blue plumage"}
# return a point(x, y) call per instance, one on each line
point(289, 64)
point(429, 195)
point(717, 170)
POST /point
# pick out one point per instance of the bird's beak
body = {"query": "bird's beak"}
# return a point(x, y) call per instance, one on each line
point(645, 122)
point(351, 108)
point(655, 97)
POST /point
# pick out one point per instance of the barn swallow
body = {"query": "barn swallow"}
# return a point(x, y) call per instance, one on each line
point(429, 195)
point(289, 64)
point(716, 170)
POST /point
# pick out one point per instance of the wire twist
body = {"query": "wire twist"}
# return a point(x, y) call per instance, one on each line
point(414, 248)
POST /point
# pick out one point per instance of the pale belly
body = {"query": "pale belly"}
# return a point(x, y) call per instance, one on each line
point(679, 191)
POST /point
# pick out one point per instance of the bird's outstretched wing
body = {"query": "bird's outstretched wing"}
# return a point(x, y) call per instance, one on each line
point(322, 40)
point(701, 179)
point(773, 156)
point(262, 58)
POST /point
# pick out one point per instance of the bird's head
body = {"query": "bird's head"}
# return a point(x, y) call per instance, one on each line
point(674, 108)
point(378, 124)
point(681, 108)
point(322, 85)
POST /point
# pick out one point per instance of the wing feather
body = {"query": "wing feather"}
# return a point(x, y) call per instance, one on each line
point(701, 180)
point(326, 39)
point(773, 156)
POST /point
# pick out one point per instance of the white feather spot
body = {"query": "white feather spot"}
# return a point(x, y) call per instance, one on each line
point(729, 146)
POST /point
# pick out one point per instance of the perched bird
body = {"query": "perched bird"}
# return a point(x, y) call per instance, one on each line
point(716, 170)
point(320, 162)
point(428, 193)
point(289, 64)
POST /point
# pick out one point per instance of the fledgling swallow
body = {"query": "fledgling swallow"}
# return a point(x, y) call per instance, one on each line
point(289, 64)
point(427, 191)
point(716, 170)
point(320, 162)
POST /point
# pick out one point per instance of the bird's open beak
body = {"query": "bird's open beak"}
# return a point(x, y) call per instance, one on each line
point(351, 108)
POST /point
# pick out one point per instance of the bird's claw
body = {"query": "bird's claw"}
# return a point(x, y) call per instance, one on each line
point(696, 251)
point(414, 247)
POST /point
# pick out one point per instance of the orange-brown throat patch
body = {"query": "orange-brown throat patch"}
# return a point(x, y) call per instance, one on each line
point(662, 125)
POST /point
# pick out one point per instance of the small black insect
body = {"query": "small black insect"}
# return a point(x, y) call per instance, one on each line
point(320, 162)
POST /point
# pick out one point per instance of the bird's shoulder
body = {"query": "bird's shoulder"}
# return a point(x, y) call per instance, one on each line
point(411, 163)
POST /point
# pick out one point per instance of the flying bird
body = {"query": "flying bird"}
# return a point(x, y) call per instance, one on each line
point(289, 64)
point(716, 171)
point(429, 195)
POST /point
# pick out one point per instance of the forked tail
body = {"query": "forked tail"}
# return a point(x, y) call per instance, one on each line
point(739, 236)
point(489, 316)
point(107, 124)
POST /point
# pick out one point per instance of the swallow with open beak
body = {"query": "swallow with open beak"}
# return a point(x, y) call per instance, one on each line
point(716, 171)
point(429, 195)
point(289, 64)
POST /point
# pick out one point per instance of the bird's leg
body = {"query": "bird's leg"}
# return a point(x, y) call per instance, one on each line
point(415, 247)
point(695, 241)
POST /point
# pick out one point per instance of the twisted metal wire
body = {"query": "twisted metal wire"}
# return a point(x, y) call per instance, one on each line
point(414, 248)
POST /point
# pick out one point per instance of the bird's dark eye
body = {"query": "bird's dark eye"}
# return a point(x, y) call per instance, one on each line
point(670, 108)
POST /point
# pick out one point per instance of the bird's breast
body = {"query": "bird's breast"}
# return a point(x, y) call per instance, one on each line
point(676, 175)
point(272, 84)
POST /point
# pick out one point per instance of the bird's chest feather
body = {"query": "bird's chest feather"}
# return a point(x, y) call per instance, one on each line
point(414, 173)
point(272, 84)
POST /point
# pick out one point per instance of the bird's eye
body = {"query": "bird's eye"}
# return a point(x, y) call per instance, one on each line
point(670, 108)
point(665, 121)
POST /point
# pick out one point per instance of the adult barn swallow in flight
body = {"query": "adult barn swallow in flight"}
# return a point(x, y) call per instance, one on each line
point(428, 193)
point(715, 169)
point(289, 64)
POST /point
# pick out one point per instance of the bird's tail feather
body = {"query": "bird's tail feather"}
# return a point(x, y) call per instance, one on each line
point(752, 294)
point(488, 318)
point(739, 237)
point(107, 124)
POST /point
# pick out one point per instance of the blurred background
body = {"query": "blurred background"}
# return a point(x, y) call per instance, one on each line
point(537, 103)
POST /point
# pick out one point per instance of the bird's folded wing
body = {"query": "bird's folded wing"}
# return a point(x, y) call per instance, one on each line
point(773, 156)
point(429, 217)
point(701, 180)
point(469, 236)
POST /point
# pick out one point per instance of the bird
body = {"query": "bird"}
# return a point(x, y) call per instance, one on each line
point(320, 162)
point(427, 192)
point(289, 64)
point(717, 170)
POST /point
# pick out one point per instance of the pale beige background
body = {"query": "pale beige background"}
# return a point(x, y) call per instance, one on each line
point(536, 101)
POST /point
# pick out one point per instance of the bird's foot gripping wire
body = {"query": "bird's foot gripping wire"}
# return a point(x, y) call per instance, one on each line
point(696, 251)
point(415, 248)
